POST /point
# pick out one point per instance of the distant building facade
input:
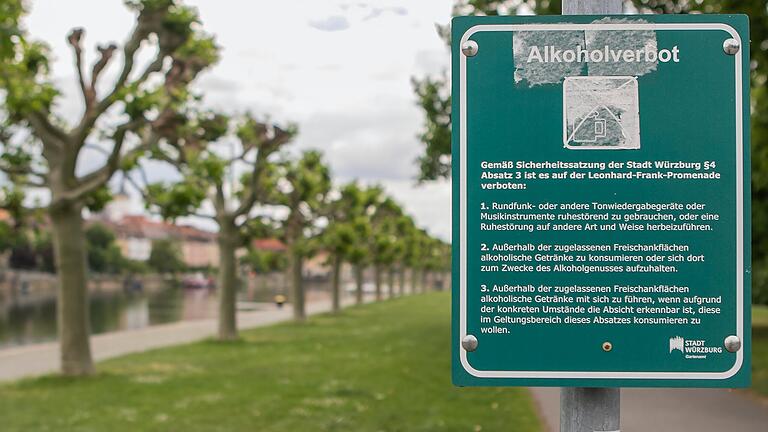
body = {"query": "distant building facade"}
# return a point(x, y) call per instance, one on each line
point(135, 233)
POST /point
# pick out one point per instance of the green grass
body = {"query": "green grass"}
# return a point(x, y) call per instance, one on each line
point(760, 350)
point(381, 367)
point(760, 316)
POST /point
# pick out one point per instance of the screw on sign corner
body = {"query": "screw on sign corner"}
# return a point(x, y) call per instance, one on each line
point(469, 343)
point(731, 46)
point(469, 48)
point(732, 343)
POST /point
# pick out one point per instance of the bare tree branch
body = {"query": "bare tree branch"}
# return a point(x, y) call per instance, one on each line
point(32, 184)
point(75, 39)
point(143, 173)
point(101, 176)
point(203, 215)
point(51, 135)
point(23, 171)
point(81, 132)
point(239, 158)
point(220, 203)
point(251, 194)
point(105, 55)
point(101, 150)
point(253, 189)
point(169, 160)
point(155, 66)
point(140, 189)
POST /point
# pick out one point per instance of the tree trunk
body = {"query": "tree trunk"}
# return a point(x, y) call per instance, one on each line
point(425, 279)
point(377, 280)
point(414, 280)
point(336, 283)
point(72, 308)
point(401, 288)
point(227, 282)
point(297, 286)
point(359, 283)
point(391, 281)
point(440, 280)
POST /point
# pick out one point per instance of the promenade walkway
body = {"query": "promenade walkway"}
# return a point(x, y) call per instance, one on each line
point(38, 359)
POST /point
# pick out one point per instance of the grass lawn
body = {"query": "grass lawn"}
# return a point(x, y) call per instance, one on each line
point(760, 350)
point(381, 367)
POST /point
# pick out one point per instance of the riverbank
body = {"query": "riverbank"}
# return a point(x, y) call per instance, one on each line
point(38, 359)
point(22, 287)
point(28, 314)
point(383, 366)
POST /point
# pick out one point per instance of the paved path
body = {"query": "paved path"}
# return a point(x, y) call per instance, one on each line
point(43, 358)
point(674, 410)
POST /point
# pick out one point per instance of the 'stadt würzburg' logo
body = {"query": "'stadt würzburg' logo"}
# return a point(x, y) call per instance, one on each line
point(693, 348)
point(676, 343)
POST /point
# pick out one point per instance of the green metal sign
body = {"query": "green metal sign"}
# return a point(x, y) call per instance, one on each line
point(601, 210)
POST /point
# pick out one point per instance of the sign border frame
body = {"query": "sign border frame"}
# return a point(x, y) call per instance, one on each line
point(739, 126)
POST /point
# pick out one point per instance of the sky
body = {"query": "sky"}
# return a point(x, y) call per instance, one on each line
point(341, 70)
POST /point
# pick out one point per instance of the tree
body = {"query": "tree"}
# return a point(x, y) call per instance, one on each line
point(435, 100)
point(44, 150)
point(194, 144)
point(358, 255)
point(261, 261)
point(15, 237)
point(6, 236)
point(300, 186)
point(434, 93)
point(360, 247)
point(393, 260)
point(23, 255)
point(403, 227)
point(367, 227)
point(104, 255)
point(165, 257)
point(436, 260)
point(340, 237)
point(27, 239)
point(384, 243)
point(415, 253)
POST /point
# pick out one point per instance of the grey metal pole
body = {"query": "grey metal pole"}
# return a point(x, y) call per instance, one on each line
point(592, 7)
point(585, 409)
point(590, 409)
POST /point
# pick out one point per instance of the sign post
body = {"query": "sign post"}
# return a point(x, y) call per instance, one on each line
point(601, 204)
point(585, 409)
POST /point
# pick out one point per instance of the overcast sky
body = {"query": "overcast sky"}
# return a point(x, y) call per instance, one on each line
point(340, 69)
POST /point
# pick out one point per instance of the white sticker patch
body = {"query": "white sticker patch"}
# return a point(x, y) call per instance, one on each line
point(547, 57)
point(638, 48)
point(531, 51)
point(601, 112)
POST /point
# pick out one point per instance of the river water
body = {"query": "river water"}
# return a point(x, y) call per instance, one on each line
point(29, 323)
